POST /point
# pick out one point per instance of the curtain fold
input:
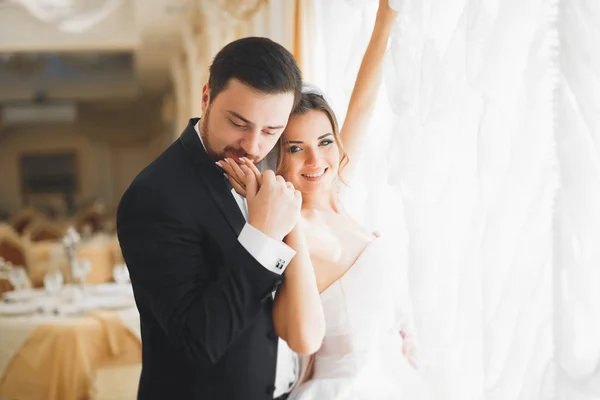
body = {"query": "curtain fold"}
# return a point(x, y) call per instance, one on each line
point(577, 218)
point(465, 154)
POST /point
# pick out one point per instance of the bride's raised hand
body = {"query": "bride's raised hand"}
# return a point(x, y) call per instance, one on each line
point(385, 11)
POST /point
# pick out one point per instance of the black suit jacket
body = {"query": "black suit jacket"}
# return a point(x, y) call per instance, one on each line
point(205, 303)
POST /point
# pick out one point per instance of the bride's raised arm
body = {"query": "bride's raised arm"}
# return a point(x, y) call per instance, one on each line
point(366, 87)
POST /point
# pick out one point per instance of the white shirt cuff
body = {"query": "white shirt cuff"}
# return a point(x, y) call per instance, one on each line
point(271, 254)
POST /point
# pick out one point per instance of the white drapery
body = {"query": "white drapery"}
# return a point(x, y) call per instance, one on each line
point(577, 219)
point(465, 155)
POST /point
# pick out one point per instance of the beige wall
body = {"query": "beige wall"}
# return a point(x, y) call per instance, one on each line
point(105, 168)
point(129, 160)
point(113, 141)
point(51, 139)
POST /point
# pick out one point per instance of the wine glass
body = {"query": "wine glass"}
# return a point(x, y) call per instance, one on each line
point(120, 274)
point(53, 282)
point(17, 276)
point(82, 269)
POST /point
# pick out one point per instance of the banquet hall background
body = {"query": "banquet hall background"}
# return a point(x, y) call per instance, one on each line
point(482, 160)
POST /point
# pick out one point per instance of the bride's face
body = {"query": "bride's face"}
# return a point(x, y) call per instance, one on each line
point(310, 156)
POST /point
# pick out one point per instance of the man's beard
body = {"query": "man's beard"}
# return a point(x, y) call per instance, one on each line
point(205, 137)
point(228, 151)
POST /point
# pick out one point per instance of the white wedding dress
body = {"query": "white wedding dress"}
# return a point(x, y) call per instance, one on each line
point(361, 356)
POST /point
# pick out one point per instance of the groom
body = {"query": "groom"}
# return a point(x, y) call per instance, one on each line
point(203, 263)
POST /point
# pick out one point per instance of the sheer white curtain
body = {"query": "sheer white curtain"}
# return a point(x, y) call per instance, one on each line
point(577, 218)
point(462, 166)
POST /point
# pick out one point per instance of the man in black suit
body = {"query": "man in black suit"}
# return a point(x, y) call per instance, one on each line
point(204, 263)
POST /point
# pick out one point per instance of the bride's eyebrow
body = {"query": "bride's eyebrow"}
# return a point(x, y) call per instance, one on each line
point(301, 142)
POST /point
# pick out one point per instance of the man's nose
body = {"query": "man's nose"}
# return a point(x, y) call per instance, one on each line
point(251, 143)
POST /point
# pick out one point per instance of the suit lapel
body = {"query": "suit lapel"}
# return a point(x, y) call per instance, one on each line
point(210, 174)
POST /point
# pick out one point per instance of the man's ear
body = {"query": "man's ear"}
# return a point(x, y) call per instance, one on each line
point(205, 97)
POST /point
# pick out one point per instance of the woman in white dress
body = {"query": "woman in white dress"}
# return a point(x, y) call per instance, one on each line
point(344, 301)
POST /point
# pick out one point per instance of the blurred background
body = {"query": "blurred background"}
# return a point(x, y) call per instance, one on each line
point(94, 90)
point(482, 161)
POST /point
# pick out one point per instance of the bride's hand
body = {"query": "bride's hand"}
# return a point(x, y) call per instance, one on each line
point(239, 175)
point(409, 349)
point(385, 10)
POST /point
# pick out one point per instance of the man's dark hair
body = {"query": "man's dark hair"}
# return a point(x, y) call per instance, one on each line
point(259, 63)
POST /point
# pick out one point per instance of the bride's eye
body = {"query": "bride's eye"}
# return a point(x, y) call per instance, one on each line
point(326, 142)
point(294, 149)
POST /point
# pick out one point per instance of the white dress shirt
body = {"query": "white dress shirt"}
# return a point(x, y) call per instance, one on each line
point(274, 256)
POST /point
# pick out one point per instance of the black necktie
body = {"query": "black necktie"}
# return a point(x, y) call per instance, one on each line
point(227, 183)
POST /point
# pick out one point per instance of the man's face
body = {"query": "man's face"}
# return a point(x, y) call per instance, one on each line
point(242, 122)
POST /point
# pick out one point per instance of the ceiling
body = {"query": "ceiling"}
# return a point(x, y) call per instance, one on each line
point(125, 55)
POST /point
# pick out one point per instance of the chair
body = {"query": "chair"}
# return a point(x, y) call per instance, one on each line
point(12, 248)
point(115, 251)
point(42, 230)
point(5, 285)
point(91, 219)
point(23, 219)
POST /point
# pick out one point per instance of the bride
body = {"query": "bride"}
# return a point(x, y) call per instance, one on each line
point(344, 302)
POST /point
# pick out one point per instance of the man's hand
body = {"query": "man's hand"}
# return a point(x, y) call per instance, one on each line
point(274, 209)
point(273, 204)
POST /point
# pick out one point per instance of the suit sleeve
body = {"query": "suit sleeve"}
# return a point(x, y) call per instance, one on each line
point(166, 255)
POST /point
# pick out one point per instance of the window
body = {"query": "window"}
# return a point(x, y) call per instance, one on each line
point(48, 173)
